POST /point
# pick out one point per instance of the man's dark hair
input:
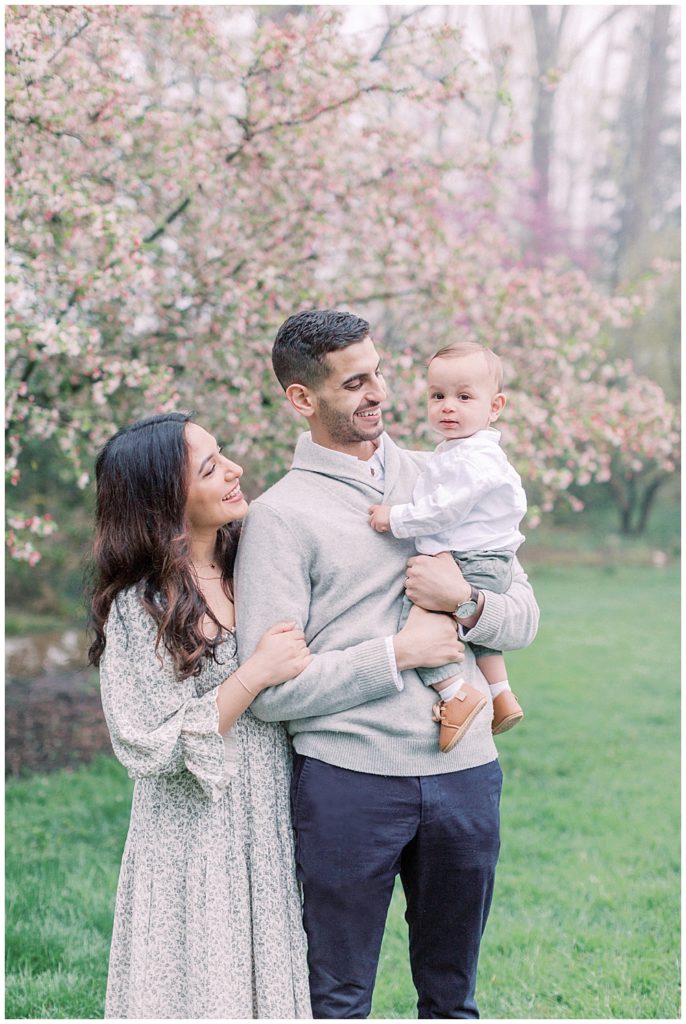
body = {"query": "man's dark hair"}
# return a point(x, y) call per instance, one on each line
point(303, 341)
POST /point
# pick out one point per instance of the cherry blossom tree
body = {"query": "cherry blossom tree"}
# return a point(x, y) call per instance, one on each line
point(634, 434)
point(179, 180)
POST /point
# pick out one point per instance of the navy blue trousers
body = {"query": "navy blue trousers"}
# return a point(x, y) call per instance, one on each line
point(355, 832)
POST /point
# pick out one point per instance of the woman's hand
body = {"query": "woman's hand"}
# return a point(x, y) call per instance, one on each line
point(280, 654)
point(427, 639)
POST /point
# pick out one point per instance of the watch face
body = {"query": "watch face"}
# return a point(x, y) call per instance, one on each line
point(466, 609)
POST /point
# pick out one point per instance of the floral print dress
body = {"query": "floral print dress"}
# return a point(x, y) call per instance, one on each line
point(208, 917)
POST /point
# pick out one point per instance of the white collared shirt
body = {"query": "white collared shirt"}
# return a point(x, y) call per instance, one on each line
point(469, 498)
point(376, 464)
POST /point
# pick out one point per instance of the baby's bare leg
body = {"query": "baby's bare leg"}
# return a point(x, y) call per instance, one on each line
point(493, 669)
point(445, 683)
point(506, 709)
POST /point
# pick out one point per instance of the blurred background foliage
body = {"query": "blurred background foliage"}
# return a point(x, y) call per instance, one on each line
point(181, 179)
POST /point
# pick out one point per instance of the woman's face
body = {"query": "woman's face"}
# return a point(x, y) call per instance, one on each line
point(214, 493)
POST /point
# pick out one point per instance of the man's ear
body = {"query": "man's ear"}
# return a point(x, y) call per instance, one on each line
point(302, 399)
point(497, 405)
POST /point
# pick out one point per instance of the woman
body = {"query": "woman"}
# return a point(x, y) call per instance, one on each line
point(208, 917)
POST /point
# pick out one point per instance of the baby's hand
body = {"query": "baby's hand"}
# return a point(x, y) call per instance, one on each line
point(380, 518)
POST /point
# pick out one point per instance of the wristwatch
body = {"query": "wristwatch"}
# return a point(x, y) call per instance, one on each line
point(467, 608)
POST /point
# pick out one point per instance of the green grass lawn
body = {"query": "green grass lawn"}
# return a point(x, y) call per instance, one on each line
point(585, 921)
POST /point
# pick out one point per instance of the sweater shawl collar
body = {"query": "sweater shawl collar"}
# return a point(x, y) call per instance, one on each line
point(313, 458)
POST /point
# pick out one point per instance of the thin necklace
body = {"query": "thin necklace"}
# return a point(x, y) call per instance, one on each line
point(210, 565)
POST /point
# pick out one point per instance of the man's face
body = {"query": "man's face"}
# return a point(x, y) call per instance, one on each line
point(348, 403)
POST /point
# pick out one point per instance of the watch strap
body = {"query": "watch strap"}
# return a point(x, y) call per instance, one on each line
point(473, 597)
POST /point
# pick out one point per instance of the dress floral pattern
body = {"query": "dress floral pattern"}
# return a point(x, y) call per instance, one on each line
point(208, 919)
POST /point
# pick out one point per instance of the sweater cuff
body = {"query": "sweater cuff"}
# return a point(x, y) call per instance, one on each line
point(490, 621)
point(373, 669)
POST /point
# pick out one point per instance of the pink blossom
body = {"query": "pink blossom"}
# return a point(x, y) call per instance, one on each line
point(298, 174)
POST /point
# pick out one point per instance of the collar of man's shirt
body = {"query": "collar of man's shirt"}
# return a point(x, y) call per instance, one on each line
point(376, 463)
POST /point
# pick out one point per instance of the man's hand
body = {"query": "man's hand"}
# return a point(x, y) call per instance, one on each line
point(435, 582)
point(427, 639)
point(380, 518)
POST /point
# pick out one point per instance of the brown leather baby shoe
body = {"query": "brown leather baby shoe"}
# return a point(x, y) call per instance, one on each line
point(507, 712)
point(456, 715)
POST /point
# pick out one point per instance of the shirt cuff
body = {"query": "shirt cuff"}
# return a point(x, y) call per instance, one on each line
point(397, 678)
point(395, 521)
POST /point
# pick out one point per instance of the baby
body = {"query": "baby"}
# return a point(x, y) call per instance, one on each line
point(470, 501)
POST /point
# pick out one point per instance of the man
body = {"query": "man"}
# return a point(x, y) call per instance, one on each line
point(372, 795)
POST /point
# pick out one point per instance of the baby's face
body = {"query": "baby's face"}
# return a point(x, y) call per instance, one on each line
point(463, 396)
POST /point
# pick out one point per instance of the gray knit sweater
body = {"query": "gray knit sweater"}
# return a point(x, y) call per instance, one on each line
point(308, 554)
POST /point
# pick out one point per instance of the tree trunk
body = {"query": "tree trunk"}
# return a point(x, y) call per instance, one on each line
point(638, 209)
point(542, 129)
point(647, 502)
point(635, 505)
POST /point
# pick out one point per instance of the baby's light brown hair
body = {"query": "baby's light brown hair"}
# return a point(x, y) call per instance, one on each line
point(468, 348)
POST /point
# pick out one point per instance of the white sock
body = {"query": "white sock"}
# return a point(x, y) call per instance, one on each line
point(497, 688)
point(451, 690)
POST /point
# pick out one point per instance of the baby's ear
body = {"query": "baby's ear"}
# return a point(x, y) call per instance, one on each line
point(498, 403)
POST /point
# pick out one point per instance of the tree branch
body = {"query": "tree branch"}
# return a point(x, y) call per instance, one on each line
point(307, 119)
point(181, 208)
point(382, 296)
point(564, 11)
point(149, 238)
point(589, 35)
point(28, 121)
point(70, 39)
point(392, 28)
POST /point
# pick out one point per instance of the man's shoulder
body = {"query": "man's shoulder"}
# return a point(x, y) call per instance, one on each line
point(290, 493)
point(280, 493)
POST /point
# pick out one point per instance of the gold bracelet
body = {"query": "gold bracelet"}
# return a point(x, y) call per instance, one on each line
point(251, 692)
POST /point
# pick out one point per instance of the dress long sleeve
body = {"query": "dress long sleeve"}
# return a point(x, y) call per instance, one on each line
point(158, 724)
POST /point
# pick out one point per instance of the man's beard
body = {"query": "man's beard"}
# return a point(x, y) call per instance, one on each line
point(342, 430)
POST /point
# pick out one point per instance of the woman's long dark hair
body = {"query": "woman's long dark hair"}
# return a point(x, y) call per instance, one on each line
point(142, 538)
